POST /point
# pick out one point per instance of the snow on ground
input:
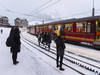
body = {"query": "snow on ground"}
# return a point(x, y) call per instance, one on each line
point(91, 53)
point(30, 63)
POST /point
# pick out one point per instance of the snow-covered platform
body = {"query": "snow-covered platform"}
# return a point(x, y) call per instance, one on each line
point(87, 52)
point(30, 62)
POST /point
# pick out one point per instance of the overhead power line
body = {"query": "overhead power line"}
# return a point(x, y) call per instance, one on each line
point(42, 6)
point(37, 9)
point(14, 12)
point(48, 6)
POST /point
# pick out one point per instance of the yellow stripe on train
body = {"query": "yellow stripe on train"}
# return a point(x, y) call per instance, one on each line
point(78, 38)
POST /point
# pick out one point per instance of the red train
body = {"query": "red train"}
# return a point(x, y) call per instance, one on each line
point(79, 30)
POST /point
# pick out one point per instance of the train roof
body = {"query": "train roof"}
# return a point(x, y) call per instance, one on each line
point(75, 19)
point(71, 20)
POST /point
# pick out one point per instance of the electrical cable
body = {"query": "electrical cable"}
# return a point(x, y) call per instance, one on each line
point(42, 5)
point(48, 6)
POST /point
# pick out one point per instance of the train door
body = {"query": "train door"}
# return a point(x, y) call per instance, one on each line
point(97, 35)
point(98, 30)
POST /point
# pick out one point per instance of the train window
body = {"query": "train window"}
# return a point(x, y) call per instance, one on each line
point(54, 28)
point(50, 26)
point(88, 27)
point(81, 27)
point(59, 27)
point(69, 27)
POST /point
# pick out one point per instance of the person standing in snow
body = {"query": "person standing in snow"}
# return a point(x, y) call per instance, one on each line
point(1, 31)
point(15, 46)
point(60, 46)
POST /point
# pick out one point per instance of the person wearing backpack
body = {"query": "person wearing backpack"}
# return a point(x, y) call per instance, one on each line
point(15, 45)
point(9, 41)
point(1, 31)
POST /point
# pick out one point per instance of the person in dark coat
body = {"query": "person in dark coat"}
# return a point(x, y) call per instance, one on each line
point(15, 46)
point(39, 38)
point(1, 31)
point(60, 46)
point(48, 39)
point(11, 35)
point(44, 36)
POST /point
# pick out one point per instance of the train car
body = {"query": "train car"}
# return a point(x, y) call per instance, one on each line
point(80, 30)
point(32, 30)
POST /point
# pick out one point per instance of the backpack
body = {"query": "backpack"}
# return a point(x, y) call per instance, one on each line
point(8, 42)
point(60, 51)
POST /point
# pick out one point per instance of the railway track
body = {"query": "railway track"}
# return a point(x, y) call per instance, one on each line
point(71, 59)
point(86, 63)
point(82, 45)
point(81, 63)
point(27, 41)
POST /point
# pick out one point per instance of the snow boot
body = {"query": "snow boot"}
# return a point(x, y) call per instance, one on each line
point(62, 69)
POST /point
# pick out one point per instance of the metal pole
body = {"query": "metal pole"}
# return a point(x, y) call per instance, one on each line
point(43, 21)
point(93, 10)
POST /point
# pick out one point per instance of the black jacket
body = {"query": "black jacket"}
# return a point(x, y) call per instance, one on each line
point(60, 46)
point(15, 37)
point(49, 38)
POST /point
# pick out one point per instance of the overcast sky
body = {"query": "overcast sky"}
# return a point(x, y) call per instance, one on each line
point(47, 9)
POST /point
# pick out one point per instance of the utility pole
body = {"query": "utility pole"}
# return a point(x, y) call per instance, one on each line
point(43, 21)
point(93, 10)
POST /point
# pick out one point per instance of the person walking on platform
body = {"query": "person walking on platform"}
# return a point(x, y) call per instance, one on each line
point(15, 45)
point(44, 36)
point(39, 38)
point(48, 40)
point(1, 31)
point(60, 46)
